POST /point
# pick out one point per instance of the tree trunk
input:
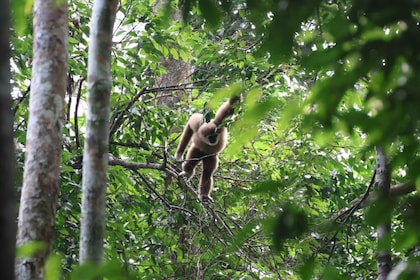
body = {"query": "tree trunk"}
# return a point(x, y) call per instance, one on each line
point(177, 71)
point(95, 157)
point(383, 257)
point(44, 135)
point(7, 153)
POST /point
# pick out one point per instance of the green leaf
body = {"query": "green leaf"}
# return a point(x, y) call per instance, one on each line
point(186, 8)
point(306, 270)
point(183, 55)
point(224, 94)
point(291, 222)
point(174, 53)
point(210, 11)
point(165, 51)
point(266, 187)
point(31, 248)
point(20, 9)
point(245, 128)
point(53, 267)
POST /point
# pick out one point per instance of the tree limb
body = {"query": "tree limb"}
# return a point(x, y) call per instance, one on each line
point(396, 190)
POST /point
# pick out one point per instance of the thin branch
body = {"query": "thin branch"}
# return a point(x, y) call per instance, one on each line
point(356, 206)
point(199, 158)
point(186, 86)
point(20, 99)
point(76, 109)
point(348, 214)
point(223, 224)
point(70, 89)
point(112, 161)
point(364, 201)
point(119, 118)
point(219, 219)
point(134, 145)
point(134, 165)
point(164, 203)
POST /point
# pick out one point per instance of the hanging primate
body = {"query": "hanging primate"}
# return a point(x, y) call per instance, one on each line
point(208, 141)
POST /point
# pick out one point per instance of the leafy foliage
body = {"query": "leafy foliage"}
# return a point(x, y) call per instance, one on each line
point(299, 152)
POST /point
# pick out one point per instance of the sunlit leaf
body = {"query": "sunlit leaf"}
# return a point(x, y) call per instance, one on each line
point(224, 94)
point(30, 249)
point(53, 267)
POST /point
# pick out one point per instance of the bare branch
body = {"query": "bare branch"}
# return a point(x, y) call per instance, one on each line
point(76, 109)
point(20, 99)
point(134, 165)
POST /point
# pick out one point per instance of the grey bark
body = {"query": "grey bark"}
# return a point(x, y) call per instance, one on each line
point(44, 134)
point(7, 153)
point(177, 71)
point(95, 157)
point(383, 175)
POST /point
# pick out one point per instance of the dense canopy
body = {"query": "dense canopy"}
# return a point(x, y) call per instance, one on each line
point(328, 123)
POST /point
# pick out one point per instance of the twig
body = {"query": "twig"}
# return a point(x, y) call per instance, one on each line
point(397, 190)
point(76, 109)
point(135, 165)
point(353, 209)
point(219, 219)
point(199, 158)
point(149, 186)
point(135, 145)
point(112, 161)
point(20, 99)
point(119, 118)
point(349, 213)
point(70, 89)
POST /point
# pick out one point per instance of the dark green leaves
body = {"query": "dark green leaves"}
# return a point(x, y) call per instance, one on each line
point(291, 222)
point(210, 11)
